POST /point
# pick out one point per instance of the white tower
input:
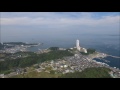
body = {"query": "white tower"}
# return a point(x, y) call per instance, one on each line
point(77, 45)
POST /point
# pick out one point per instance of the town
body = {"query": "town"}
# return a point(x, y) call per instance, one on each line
point(78, 61)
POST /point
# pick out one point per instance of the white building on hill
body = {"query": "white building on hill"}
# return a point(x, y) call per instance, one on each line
point(80, 48)
point(77, 45)
point(84, 50)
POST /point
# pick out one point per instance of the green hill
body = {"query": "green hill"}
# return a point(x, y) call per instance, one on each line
point(87, 73)
point(100, 72)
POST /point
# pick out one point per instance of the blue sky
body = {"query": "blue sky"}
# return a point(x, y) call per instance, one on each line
point(20, 25)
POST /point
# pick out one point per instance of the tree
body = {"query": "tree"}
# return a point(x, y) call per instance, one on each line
point(54, 48)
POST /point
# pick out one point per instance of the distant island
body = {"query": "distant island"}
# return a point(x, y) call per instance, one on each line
point(19, 43)
point(13, 47)
point(17, 62)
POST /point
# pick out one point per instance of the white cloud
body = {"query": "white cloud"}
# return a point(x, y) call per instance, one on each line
point(58, 19)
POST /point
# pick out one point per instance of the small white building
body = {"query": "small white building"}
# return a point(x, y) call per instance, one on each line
point(2, 76)
point(61, 66)
point(62, 49)
point(65, 66)
point(71, 48)
point(76, 56)
point(67, 71)
point(52, 62)
point(84, 50)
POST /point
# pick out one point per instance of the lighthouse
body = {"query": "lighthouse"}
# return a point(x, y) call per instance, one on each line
point(77, 45)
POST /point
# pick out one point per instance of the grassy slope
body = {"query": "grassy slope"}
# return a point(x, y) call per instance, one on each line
point(87, 73)
point(35, 74)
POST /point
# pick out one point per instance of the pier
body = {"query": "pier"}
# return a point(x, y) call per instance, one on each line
point(113, 56)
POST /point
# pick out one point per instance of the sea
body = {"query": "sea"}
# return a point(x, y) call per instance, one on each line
point(105, 43)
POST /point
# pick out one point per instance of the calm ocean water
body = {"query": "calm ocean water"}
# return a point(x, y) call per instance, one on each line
point(109, 44)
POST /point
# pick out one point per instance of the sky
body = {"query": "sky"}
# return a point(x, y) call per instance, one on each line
point(27, 25)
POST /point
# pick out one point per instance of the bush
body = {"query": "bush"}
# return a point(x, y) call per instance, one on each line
point(54, 48)
point(89, 51)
